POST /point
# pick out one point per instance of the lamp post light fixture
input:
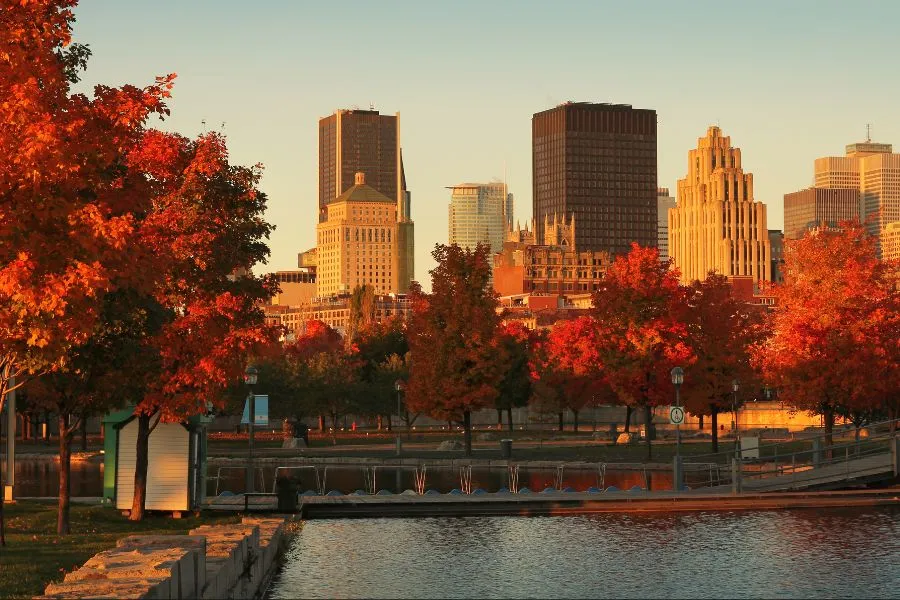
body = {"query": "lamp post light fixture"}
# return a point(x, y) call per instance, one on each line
point(399, 385)
point(735, 386)
point(250, 377)
point(677, 380)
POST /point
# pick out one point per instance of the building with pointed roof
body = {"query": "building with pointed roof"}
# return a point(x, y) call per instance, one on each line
point(717, 225)
point(359, 243)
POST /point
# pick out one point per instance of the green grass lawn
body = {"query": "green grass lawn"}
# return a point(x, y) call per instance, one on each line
point(35, 556)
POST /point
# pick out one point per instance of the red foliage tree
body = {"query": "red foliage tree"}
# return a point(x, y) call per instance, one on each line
point(454, 368)
point(641, 305)
point(513, 343)
point(834, 340)
point(67, 199)
point(203, 235)
point(721, 331)
point(573, 365)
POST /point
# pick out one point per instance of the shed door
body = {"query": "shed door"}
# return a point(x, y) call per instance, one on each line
point(167, 467)
point(125, 465)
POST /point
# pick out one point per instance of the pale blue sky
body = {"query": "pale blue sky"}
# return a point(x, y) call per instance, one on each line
point(789, 81)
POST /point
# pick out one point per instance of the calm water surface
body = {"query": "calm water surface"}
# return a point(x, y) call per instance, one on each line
point(767, 554)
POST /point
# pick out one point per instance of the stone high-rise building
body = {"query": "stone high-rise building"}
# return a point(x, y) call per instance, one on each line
point(479, 213)
point(717, 225)
point(818, 207)
point(874, 171)
point(663, 203)
point(890, 241)
point(776, 243)
point(598, 163)
point(364, 141)
point(359, 243)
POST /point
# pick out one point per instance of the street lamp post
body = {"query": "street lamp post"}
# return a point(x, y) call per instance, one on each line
point(735, 386)
point(677, 380)
point(250, 376)
point(399, 385)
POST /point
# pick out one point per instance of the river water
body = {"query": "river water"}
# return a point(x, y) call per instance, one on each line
point(827, 553)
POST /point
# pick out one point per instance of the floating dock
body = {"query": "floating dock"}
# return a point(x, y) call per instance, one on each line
point(552, 503)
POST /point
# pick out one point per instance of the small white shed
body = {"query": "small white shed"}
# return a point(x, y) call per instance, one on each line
point(176, 463)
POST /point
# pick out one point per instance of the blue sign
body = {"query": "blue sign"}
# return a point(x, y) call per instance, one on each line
point(260, 412)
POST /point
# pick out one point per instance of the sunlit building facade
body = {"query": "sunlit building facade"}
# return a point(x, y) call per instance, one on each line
point(479, 213)
point(717, 225)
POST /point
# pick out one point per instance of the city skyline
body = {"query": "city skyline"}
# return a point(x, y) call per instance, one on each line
point(261, 74)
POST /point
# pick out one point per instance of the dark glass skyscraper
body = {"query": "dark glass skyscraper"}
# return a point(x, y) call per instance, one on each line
point(598, 163)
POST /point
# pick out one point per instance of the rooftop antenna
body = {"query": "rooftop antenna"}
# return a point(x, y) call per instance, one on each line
point(203, 124)
point(868, 137)
point(371, 106)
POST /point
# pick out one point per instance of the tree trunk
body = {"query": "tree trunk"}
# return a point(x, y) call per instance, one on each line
point(62, 515)
point(561, 420)
point(380, 422)
point(627, 419)
point(140, 468)
point(828, 416)
point(321, 422)
point(84, 434)
point(390, 424)
point(499, 419)
point(700, 418)
point(467, 432)
point(575, 423)
point(648, 427)
point(714, 428)
point(509, 417)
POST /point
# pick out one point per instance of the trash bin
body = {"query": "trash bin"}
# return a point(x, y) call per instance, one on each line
point(286, 489)
point(301, 430)
point(505, 448)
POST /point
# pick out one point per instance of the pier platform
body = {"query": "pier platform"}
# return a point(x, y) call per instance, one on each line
point(555, 503)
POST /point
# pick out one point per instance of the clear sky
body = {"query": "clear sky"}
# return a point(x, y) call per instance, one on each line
point(789, 81)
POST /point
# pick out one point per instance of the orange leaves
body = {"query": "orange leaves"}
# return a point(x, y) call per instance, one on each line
point(834, 331)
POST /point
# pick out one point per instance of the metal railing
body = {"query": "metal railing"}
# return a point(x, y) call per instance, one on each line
point(218, 476)
point(779, 459)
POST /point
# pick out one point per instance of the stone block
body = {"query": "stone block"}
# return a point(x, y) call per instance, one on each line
point(192, 573)
point(625, 438)
point(149, 564)
point(233, 547)
point(124, 589)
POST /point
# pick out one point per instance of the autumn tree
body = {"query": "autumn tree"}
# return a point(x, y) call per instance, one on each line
point(834, 340)
point(204, 234)
point(68, 200)
point(639, 304)
point(383, 350)
point(720, 332)
point(513, 342)
point(453, 363)
point(574, 348)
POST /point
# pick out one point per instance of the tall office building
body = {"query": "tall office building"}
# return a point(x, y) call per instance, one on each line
point(663, 203)
point(890, 242)
point(479, 213)
point(818, 207)
point(716, 224)
point(364, 141)
point(598, 163)
point(358, 243)
point(776, 243)
point(874, 171)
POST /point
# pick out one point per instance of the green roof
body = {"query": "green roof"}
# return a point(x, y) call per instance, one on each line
point(362, 193)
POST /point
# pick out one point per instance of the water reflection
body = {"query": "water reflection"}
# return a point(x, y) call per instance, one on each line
point(774, 554)
point(41, 477)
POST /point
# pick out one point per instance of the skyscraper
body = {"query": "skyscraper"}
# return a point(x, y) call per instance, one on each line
point(479, 212)
point(874, 171)
point(818, 207)
point(598, 163)
point(716, 224)
point(663, 203)
point(364, 141)
point(357, 243)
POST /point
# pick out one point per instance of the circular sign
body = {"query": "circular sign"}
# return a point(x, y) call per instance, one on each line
point(676, 415)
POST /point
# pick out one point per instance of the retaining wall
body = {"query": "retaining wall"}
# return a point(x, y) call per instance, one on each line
point(212, 561)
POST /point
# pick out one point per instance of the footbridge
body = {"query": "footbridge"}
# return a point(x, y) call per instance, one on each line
point(851, 458)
